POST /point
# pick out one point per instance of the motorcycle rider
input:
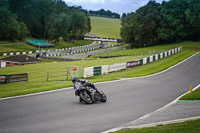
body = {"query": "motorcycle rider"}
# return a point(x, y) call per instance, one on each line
point(78, 82)
point(82, 81)
point(95, 94)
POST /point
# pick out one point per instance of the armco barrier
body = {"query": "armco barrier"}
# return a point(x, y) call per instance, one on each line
point(161, 55)
point(151, 58)
point(144, 61)
point(172, 51)
point(169, 52)
point(132, 64)
point(17, 53)
point(166, 54)
point(156, 57)
point(141, 61)
point(97, 71)
point(175, 50)
point(148, 59)
point(104, 69)
point(88, 72)
point(93, 71)
point(116, 67)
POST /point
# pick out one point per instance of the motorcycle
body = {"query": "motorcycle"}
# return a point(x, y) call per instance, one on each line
point(89, 93)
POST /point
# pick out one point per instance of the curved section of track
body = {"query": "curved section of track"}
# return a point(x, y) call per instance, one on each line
point(127, 100)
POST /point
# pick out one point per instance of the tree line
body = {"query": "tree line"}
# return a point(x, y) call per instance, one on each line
point(104, 13)
point(172, 21)
point(45, 19)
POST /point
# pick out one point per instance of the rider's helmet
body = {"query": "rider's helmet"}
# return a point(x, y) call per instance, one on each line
point(74, 79)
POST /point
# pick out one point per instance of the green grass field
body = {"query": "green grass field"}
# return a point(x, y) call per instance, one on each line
point(75, 43)
point(16, 48)
point(106, 27)
point(184, 127)
point(38, 72)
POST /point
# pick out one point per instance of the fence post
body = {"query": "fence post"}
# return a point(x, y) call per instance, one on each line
point(47, 75)
point(27, 76)
point(67, 74)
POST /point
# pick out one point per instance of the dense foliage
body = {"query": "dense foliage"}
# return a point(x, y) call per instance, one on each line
point(47, 19)
point(104, 13)
point(172, 21)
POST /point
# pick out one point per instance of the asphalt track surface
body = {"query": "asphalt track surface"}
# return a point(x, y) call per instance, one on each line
point(128, 100)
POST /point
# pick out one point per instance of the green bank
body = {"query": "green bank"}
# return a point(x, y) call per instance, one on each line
point(105, 27)
point(184, 127)
point(194, 95)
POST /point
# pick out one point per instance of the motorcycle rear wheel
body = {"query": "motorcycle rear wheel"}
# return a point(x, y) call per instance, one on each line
point(85, 96)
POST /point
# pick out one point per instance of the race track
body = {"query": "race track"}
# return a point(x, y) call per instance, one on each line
point(128, 100)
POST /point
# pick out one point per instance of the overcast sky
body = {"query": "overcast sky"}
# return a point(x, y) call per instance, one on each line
point(118, 6)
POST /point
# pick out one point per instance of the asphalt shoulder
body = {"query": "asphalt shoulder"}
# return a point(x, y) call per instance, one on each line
point(180, 111)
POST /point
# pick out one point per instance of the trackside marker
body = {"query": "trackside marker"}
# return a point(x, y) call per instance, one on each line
point(190, 89)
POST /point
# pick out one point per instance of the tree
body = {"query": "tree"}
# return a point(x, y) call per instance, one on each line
point(148, 21)
point(23, 31)
point(124, 15)
point(193, 18)
point(172, 21)
point(129, 30)
point(78, 24)
point(47, 19)
point(59, 27)
point(9, 26)
point(173, 26)
point(140, 28)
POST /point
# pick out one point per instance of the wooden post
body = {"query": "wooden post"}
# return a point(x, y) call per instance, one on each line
point(67, 74)
point(47, 75)
point(27, 76)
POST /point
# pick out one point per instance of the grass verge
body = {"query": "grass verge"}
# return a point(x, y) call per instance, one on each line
point(184, 127)
point(195, 95)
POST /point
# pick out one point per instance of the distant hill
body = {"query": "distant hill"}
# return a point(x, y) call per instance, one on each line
point(105, 27)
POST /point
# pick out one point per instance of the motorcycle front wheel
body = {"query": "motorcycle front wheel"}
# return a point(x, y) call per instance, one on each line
point(103, 98)
point(85, 96)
